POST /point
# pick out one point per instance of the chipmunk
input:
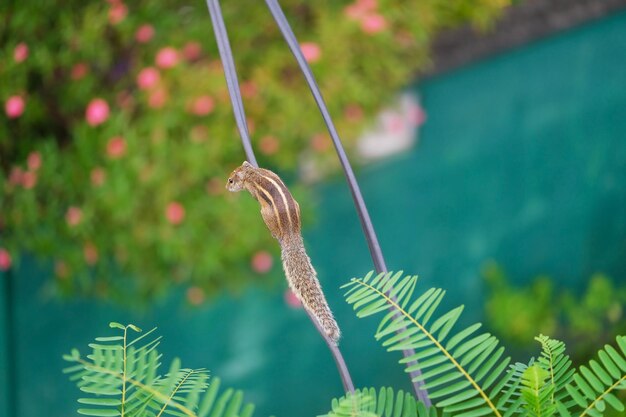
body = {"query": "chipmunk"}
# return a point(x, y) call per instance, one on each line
point(281, 214)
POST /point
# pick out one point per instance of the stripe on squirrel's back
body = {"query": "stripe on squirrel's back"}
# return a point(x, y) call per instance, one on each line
point(294, 208)
point(283, 201)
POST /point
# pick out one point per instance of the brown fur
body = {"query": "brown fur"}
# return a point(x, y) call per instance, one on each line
point(281, 214)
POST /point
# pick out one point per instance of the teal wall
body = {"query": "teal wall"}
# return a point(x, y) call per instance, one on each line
point(522, 160)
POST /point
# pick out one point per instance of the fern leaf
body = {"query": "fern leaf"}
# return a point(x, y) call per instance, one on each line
point(596, 385)
point(458, 367)
point(537, 392)
point(558, 365)
point(120, 377)
point(511, 400)
point(367, 402)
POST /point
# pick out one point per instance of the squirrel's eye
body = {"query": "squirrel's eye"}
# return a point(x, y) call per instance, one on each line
point(230, 180)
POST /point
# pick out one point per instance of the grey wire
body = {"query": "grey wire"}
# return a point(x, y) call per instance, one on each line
point(226, 55)
point(366, 222)
point(233, 89)
point(364, 217)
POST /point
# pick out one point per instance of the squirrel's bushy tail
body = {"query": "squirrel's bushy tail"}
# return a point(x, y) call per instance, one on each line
point(303, 281)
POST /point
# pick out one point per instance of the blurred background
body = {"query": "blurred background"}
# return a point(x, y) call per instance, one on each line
point(488, 137)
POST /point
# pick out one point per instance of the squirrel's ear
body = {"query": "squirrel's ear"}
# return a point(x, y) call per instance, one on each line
point(246, 164)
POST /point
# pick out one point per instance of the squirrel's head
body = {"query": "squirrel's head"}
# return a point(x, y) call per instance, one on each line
point(237, 178)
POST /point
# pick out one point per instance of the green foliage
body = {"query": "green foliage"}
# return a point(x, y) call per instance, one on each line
point(516, 313)
point(595, 386)
point(557, 364)
point(139, 194)
point(121, 378)
point(466, 375)
point(463, 371)
point(537, 392)
point(384, 403)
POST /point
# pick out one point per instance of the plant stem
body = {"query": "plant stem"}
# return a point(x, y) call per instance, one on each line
point(124, 372)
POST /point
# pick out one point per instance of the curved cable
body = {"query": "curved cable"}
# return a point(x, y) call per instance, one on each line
point(364, 217)
point(235, 95)
point(230, 73)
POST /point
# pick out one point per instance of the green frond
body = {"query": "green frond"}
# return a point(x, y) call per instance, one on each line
point(595, 386)
point(228, 403)
point(554, 360)
point(463, 371)
point(510, 401)
point(121, 378)
point(367, 402)
point(537, 392)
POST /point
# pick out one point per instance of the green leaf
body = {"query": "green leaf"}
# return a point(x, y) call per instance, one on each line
point(614, 402)
point(100, 401)
point(609, 365)
point(109, 338)
point(453, 369)
point(368, 402)
point(462, 335)
point(98, 412)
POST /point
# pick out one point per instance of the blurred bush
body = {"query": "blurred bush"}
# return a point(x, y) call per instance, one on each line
point(586, 320)
point(117, 133)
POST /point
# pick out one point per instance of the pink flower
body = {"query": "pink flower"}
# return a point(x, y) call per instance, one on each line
point(353, 112)
point(195, 295)
point(117, 13)
point(373, 23)
point(167, 57)
point(34, 161)
point(262, 262)
point(203, 105)
point(175, 213)
point(90, 253)
point(358, 9)
point(320, 142)
point(269, 145)
point(5, 259)
point(20, 53)
point(311, 51)
point(116, 147)
point(354, 11)
point(292, 300)
point(14, 107)
point(73, 216)
point(192, 51)
point(98, 175)
point(157, 98)
point(144, 33)
point(148, 78)
point(97, 112)
point(367, 4)
point(79, 70)
point(249, 89)
point(15, 177)
point(29, 179)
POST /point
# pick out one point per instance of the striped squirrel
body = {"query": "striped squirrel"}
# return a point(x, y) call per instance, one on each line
point(281, 214)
